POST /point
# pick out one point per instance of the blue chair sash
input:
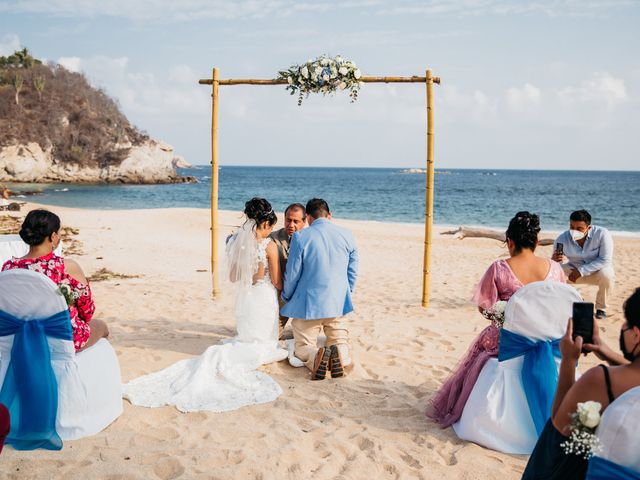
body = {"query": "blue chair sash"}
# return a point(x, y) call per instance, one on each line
point(30, 389)
point(539, 372)
point(603, 469)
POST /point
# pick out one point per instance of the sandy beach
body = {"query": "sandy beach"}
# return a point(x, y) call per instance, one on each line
point(155, 295)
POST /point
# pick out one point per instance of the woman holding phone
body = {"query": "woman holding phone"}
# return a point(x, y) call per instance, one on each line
point(501, 280)
point(601, 384)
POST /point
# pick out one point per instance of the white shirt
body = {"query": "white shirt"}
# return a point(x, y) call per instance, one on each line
point(594, 255)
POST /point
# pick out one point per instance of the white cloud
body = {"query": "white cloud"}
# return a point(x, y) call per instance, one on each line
point(9, 44)
point(143, 93)
point(71, 63)
point(523, 98)
point(600, 88)
point(456, 105)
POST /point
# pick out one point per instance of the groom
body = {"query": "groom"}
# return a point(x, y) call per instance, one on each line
point(321, 274)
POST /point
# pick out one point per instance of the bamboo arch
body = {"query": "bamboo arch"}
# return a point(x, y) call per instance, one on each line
point(216, 82)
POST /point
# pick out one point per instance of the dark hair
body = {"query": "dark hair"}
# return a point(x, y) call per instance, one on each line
point(39, 225)
point(631, 309)
point(523, 230)
point(581, 216)
point(317, 207)
point(260, 210)
point(296, 206)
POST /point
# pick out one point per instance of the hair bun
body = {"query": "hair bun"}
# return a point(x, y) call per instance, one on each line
point(260, 210)
point(523, 230)
point(38, 225)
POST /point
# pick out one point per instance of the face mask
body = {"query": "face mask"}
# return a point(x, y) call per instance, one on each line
point(627, 355)
point(577, 235)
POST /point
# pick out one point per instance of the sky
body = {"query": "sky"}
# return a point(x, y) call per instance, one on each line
point(548, 84)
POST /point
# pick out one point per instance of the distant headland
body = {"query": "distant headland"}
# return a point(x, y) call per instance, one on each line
point(56, 127)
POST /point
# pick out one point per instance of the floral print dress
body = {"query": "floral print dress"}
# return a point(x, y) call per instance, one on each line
point(82, 310)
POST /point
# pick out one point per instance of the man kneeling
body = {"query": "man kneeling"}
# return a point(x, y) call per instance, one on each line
point(589, 249)
point(321, 274)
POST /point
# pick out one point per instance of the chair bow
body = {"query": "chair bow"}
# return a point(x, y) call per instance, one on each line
point(30, 389)
point(603, 469)
point(539, 371)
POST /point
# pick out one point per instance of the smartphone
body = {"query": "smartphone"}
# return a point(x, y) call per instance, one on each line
point(583, 321)
point(559, 248)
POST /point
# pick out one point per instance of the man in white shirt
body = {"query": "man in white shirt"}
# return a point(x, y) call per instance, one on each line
point(589, 251)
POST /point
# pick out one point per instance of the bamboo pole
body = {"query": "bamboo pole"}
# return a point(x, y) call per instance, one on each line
point(428, 221)
point(257, 81)
point(214, 185)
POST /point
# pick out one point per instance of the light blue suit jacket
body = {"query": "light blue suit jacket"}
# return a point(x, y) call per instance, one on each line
point(321, 272)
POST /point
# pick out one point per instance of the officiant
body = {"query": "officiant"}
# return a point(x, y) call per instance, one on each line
point(295, 219)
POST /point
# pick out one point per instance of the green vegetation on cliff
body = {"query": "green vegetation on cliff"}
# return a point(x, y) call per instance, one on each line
point(59, 109)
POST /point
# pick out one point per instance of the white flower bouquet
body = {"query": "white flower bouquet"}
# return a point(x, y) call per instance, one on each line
point(322, 75)
point(583, 440)
point(496, 313)
point(68, 292)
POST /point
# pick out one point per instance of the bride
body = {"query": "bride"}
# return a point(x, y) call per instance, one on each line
point(224, 377)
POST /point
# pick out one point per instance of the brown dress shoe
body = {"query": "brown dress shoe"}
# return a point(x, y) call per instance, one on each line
point(321, 364)
point(335, 363)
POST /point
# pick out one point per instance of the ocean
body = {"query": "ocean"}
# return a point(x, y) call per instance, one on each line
point(462, 197)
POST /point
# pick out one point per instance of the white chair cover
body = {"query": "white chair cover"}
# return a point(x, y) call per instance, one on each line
point(618, 430)
point(13, 246)
point(89, 383)
point(496, 414)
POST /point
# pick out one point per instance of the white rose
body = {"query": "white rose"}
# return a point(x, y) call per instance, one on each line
point(324, 62)
point(304, 72)
point(343, 71)
point(338, 59)
point(289, 80)
point(357, 74)
point(342, 85)
point(589, 413)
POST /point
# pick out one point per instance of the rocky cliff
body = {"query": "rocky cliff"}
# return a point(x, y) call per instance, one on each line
point(56, 127)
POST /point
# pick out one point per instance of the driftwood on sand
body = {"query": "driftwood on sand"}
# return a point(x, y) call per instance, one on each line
point(462, 232)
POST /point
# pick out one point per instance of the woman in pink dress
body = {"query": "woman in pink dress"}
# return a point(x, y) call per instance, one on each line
point(41, 231)
point(501, 280)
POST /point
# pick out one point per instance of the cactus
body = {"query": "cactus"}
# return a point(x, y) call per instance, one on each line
point(18, 82)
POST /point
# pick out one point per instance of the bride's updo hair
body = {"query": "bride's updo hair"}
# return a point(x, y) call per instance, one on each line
point(260, 210)
point(523, 231)
point(39, 225)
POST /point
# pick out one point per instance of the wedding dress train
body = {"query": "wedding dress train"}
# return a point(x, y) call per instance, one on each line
point(224, 377)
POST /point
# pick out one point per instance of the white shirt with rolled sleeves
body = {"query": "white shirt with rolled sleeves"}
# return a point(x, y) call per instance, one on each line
point(594, 255)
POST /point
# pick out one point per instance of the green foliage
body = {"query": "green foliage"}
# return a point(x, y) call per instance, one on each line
point(38, 83)
point(20, 59)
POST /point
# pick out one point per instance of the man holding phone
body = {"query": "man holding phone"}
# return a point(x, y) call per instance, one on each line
point(589, 251)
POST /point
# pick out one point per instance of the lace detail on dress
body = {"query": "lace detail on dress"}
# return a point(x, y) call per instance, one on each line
point(262, 259)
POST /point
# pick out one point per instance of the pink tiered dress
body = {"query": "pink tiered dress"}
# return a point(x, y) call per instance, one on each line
point(498, 283)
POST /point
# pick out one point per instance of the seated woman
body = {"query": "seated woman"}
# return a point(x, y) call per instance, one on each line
point(41, 231)
point(600, 384)
point(500, 282)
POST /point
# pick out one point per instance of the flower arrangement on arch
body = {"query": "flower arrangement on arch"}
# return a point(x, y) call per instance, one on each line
point(322, 75)
point(583, 440)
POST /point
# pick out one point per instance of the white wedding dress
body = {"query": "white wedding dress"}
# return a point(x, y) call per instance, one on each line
point(224, 377)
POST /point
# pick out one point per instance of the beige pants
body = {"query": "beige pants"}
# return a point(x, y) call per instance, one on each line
point(604, 279)
point(305, 336)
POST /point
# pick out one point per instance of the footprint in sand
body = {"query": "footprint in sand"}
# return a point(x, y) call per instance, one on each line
point(410, 461)
point(168, 469)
